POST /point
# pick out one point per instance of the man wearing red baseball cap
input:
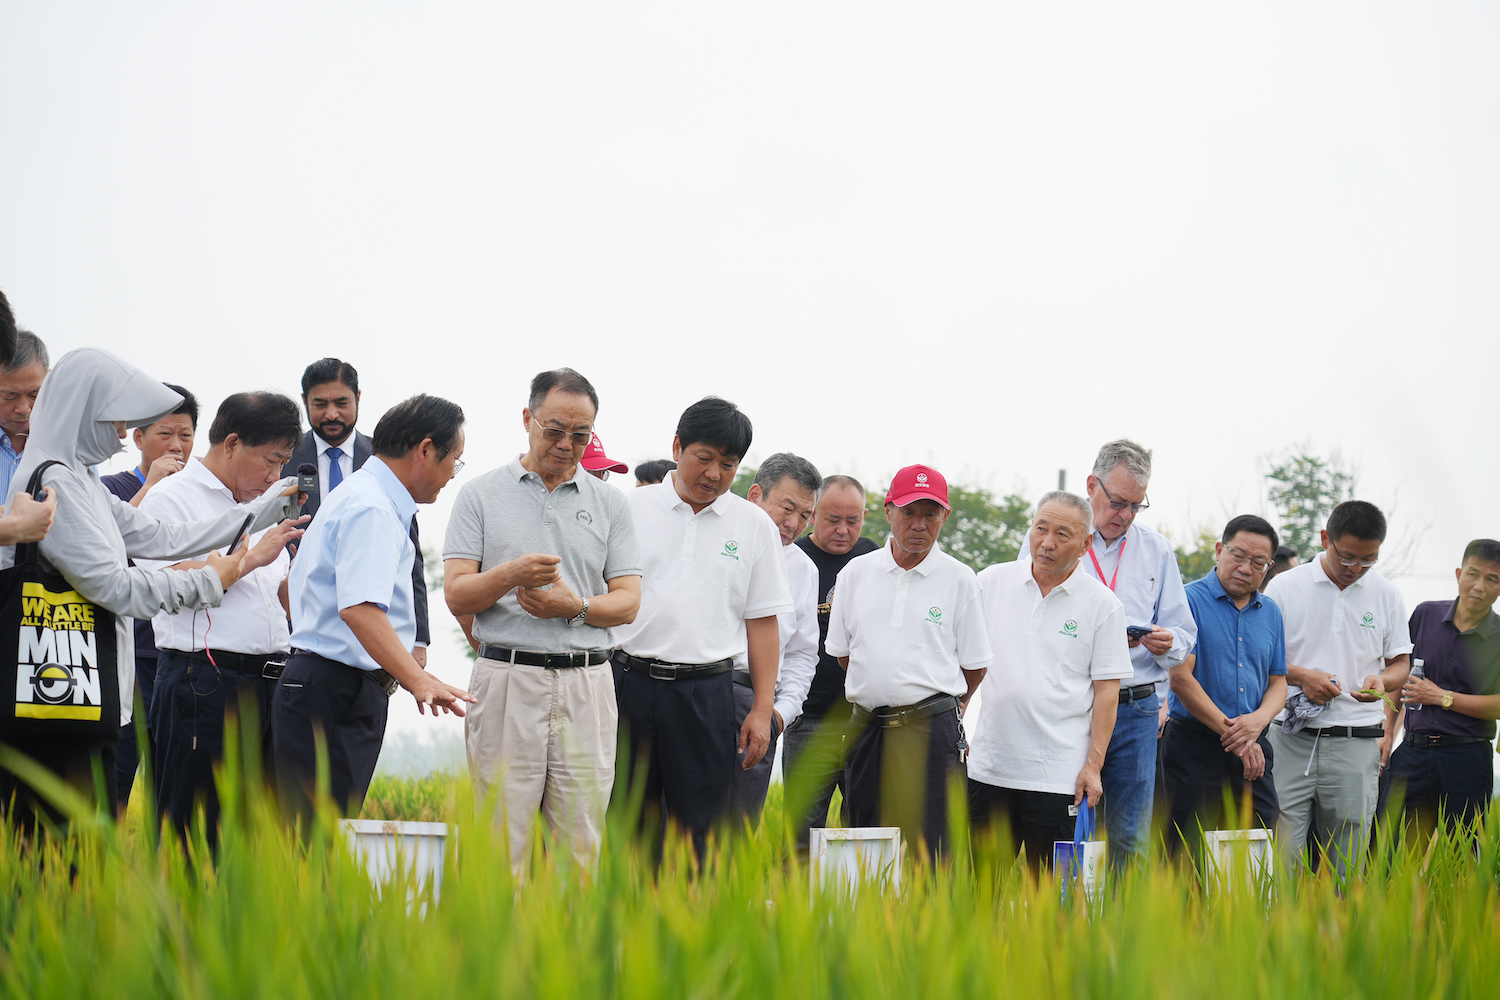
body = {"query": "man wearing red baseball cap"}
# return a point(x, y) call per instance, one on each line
point(907, 626)
point(598, 464)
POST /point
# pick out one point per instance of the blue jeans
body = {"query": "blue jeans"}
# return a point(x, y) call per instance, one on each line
point(1129, 778)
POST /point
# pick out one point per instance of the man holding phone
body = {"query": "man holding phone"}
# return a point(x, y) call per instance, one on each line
point(1139, 566)
point(219, 664)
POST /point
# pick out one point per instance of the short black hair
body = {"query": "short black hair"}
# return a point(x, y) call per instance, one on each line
point(718, 423)
point(7, 331)
point(329, 370)
point(654, 471)
point(412, 421)
point(258, 418)
point(189, 405)
point(1254, 525)
point(563, 380)
point(1483, 549)
point(1358, 518)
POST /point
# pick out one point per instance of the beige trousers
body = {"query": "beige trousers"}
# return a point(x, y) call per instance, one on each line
point(544, 739)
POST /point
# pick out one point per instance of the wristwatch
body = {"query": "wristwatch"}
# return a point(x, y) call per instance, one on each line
point(577, 619)
point(1447, 699)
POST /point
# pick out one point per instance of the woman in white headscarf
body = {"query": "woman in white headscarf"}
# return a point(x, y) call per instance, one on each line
point(86, 404)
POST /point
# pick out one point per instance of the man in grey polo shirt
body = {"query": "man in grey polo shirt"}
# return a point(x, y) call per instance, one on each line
point(544, 556)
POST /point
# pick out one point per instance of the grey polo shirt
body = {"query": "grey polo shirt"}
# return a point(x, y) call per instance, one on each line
point(507, 512)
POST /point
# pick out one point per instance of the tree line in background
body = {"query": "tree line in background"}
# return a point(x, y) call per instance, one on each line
point(1303, 489)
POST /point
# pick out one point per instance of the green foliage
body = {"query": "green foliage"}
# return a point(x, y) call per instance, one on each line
point(102, 914)
point(1304, 489)
point(981, 531)
point(742, 481)
point(1199, 562)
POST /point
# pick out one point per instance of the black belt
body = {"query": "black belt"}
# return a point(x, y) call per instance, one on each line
point(1128, 695)
point(902, 715)
point(378, 677)
point(662, 671)
point(1421, 738)
point(552, 661)
point(267, 665)
point(1354, 732)
point(742, 677)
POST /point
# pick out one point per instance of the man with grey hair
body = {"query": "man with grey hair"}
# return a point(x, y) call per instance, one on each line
point(786, 487)
point(1140, 567)
point(1049, 701)
point(20, 381)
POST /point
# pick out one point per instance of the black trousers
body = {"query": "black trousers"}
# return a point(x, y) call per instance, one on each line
point(128, 754)
point(70, 758)
point(898, 776)
point(1458, 779)
point(320, 699)
point(1198, 772)
point(678, 742)
point(192, 701)
point(1033, 820)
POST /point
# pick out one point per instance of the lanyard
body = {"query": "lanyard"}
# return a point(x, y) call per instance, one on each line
point(1100, 569)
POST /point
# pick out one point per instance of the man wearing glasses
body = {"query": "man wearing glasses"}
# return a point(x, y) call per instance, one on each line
point(1140, 567)
point(1347, 644)
point(543, 555)
point(1227, 690)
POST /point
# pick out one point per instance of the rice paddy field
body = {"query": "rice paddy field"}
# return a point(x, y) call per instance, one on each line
point(110, 910)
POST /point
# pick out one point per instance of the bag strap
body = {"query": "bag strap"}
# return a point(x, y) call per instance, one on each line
point(26, 552)
point(1083, 832)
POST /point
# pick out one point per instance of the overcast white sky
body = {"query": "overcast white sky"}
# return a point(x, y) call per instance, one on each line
point(987, 236)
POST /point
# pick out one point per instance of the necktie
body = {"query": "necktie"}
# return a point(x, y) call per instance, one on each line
point(335, 469)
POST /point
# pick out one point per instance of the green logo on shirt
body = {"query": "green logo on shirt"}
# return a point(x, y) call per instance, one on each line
point(935, 616)
point(1368, 621)
point(731, 549)
point(1069, 629)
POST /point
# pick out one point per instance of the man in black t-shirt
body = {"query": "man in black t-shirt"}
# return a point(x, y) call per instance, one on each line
point(813, 746)
point(1445, 762)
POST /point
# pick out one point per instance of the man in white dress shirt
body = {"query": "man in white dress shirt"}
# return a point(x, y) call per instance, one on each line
point(786, 487)
point(713, 581)
point(1346, 635)
point(1139, 566)
point(222, 663)
point(907, 626)
point(1051, 696)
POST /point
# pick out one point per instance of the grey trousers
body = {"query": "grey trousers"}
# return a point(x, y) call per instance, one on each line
point(1340, 789)
point(747, 789)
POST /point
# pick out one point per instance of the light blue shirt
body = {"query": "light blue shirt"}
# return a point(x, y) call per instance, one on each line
point(357, 551)
point(9, 459)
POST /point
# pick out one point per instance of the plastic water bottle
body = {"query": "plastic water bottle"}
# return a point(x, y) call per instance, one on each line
point(1417, 673)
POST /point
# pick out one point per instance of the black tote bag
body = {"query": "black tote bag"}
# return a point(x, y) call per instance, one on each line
point(59, 664)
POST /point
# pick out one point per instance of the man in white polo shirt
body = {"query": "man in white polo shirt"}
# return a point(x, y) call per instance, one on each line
point(1346, 634)
point(786, 487)
point(543, 555)
point(1050, 701)
point(713, 582)
point(907, 626)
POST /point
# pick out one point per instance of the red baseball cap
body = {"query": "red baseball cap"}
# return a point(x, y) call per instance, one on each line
point(594, 459)
point(918, 482)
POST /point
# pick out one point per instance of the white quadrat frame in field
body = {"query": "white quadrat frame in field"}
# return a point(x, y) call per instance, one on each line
point(841, 859)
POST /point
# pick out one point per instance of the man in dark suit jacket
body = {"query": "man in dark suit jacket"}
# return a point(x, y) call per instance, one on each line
point(330, 394)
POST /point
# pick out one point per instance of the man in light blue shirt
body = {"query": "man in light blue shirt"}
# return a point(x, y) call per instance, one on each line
point(1225, 694)
point(353, 614)
point(20, 381)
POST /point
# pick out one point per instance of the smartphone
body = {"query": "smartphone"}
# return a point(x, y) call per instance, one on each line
point(245, 526)
point(1136, 631)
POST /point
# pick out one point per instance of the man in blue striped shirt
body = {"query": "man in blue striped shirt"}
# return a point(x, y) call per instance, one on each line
point(1226, 692)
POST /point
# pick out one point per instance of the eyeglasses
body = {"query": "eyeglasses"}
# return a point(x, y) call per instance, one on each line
point(1346, 561)
point(1245, 558)
point(580, 439)
point(458, 463)
point(1135, 508)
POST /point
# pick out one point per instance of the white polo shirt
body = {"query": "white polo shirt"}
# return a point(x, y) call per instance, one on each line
point(799, 635)
point(702, 576)
point(1350, 633)
point(1037, 709)
point(251, 620)
point(909, 634)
